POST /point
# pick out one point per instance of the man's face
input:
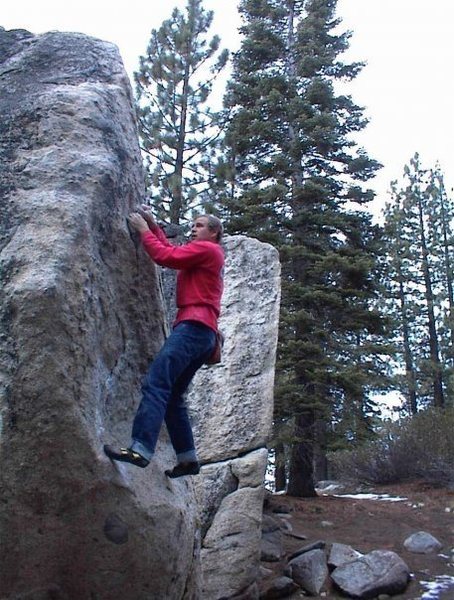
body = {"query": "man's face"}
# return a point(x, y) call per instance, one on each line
point(200, 231)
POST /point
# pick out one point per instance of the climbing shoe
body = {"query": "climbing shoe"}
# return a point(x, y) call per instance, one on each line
point(126, 455)
point(182, 469)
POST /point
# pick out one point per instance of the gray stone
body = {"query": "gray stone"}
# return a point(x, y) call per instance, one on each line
point(272, 548)
point(329, 487)
point(81, 318)
point(214, 483)
point(232, 406)
point(217, 480)
point(249, 593)
point(281, 587)
point(326, 524)
point(230, 552)
point(234, 399)
point(318, 545)
point(310, 571)
point(422, 543)
point(340, 554)
point(250, 468)
point(269, 524)
point(297, 536)
point(379, 572)
point(264, 572)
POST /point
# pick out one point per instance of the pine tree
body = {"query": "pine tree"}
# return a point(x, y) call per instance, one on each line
point(396, 289)
point(297, 180)
point(178, 131)
point(418, 242)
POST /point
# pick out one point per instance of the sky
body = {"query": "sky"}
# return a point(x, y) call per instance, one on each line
point(406, 87)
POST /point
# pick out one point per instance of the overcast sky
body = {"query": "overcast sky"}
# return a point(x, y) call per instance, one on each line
point(406, 88)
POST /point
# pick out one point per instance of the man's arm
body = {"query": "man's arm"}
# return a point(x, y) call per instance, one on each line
point(166, 255)
point(143, 220)
point(176, 257)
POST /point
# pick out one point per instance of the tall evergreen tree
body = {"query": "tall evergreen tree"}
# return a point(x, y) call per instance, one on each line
point(419, 245)
point(396, 289)
point(178, 130)
point(297, 182)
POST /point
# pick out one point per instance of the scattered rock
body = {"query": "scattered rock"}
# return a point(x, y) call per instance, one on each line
point(329, 487)
point(271, 546)
point(281, 587)
point(341, 554)
point(379, 572)
point(310, 571)
point(326, 524)
point(297, 536)
point(270, 524)
point(264, 572)
point(318, 545)
point(422, 543)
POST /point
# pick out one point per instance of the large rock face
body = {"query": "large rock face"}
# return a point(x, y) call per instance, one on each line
point(81, 317)
point(232, 406)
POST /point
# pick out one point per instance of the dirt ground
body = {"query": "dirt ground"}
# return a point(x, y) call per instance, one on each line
point(368, 525)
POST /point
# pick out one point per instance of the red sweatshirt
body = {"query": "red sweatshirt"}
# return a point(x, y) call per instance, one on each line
point(200, 267)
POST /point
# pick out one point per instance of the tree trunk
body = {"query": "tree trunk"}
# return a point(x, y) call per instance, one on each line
point(433, 338)
point(320, 459)
point(447, 265)
point(177, 204)
point(410, 375)
point(280, 477)
point(301, 472)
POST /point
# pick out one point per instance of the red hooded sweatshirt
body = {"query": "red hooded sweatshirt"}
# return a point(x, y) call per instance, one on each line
point(200, 283)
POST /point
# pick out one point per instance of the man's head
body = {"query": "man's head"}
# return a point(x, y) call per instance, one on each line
point(207, 228)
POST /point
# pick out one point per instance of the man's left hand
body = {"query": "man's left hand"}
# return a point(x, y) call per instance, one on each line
point(138, 223)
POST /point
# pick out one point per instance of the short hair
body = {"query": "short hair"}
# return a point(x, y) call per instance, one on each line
point(215, 224)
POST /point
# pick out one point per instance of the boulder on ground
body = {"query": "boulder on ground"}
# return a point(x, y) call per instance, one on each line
point(310, 571)
point(281, 587)
point(340, 554)
point(379, 572)
point(422, 543)
point(81, 316)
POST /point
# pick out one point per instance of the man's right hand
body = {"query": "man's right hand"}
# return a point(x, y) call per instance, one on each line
point(145, 212)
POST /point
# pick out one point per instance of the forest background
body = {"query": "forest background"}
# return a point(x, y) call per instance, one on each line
point(367, 308)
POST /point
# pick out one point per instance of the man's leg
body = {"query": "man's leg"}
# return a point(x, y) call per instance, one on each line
point(178, 423)
point(187, 343)
point(177, 418)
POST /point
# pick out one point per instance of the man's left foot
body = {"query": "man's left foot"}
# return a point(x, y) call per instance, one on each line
point(126, 455)
point(184, 468)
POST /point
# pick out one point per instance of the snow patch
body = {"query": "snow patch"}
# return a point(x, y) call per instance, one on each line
point(382, 497)
point(442, 583)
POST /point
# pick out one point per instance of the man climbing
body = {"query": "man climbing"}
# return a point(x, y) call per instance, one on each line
point(191, 343)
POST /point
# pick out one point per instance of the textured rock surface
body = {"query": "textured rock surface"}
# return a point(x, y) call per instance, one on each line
point(422, 543)
point(280, 587)
point(80, 318)
point(379, 572)
point(340, 554)
point(271, 544)
point(232, 405)
point(310, 571)
point(231, 498)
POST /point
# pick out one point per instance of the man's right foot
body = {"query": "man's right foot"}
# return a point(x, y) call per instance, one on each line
point(126, 455)
point(184, 468)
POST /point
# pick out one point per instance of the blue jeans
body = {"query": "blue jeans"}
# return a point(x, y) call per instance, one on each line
point(186, 349)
